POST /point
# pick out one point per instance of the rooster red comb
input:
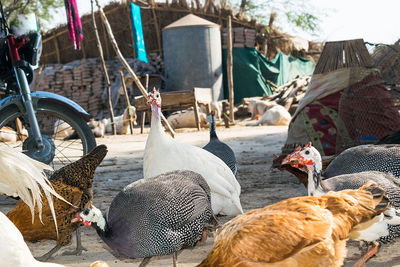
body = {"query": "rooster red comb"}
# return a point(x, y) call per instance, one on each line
point(308, 145)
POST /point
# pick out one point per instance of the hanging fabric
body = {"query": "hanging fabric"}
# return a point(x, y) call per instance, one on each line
point(74, 23)
point(137, 31)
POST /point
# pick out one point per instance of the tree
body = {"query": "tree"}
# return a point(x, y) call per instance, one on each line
point(41, 8)
point(298, 13)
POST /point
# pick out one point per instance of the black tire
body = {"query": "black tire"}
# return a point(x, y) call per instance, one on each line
point(66, 149)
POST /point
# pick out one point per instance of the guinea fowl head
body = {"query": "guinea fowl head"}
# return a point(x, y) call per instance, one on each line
point(154, 100)
point(306, 158)
point(89, 216)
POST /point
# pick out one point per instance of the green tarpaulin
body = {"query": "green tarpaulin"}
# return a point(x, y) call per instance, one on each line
point(251, 69)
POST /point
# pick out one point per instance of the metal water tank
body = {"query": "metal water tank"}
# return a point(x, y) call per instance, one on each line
point(192, 55)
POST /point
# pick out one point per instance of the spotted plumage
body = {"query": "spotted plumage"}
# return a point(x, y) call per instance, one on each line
point(74, 183)
point(157, 216)
point(383, 158)
point(220, 149)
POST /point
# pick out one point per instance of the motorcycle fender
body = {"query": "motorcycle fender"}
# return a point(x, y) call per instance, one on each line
point(41, 95)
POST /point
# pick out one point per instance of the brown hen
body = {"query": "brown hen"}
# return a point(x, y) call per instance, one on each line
point(74, 183)
point(301, 231)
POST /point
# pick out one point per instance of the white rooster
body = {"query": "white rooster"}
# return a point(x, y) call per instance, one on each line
point(14, 251)
point(22, 176)
point(163, 154)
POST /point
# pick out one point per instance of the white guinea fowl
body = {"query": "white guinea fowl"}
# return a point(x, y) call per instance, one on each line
point(163, 154)
point(14, 251)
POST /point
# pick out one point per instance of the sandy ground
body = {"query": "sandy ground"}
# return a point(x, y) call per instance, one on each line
point(254, 148)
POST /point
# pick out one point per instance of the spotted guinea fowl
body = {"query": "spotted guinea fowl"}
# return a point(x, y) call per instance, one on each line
point(163, 153)
point(74, 182)
point(220, 149)
point(382, 158)
point(309, 160)
point(153, 217)
point(300, 231)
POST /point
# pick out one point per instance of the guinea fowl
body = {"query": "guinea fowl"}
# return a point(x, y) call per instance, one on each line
point(220, 149)
point(382, 158)
point(153, 217)
point(163, 153)
point(74, 182)
point(309, 160)
point(300, 231)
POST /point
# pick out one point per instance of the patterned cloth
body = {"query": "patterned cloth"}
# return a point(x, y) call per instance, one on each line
point(74, 23)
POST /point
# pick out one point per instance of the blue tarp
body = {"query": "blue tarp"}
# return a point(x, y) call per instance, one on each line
point(137, 32)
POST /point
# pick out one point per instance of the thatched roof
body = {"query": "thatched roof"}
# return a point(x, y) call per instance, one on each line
point(387, 59)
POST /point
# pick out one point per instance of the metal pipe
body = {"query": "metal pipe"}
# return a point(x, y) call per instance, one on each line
point(27, 100)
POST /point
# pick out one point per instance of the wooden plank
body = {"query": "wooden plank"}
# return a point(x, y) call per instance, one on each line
point(229, 64)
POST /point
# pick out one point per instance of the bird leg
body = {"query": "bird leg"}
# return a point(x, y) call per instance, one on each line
point(175, 259)
point(79, 247)
point(144, 262)
point(47, 256)
point(372, 250)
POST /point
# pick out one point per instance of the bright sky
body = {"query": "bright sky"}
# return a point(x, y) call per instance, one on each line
point(374, 21)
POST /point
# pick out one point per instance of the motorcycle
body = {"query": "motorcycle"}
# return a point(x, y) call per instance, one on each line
point(37, 123)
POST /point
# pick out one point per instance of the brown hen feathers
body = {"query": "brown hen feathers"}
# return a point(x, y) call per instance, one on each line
point(301, 231)
point(74, 183)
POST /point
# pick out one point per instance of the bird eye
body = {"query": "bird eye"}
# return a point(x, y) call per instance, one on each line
point(307, 152)
point(86, 212)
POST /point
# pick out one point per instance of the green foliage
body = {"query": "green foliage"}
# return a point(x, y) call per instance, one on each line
point(291, 14)
point(41, 8)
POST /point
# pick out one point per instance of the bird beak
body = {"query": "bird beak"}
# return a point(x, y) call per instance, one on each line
point(78, 218)
point(294, 160)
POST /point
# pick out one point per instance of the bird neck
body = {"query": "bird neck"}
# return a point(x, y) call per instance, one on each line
point(213, 134)
point(101, 226)
point(314, 180)
point(156, 126)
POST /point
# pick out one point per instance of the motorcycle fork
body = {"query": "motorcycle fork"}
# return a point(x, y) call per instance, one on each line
point(25, 91)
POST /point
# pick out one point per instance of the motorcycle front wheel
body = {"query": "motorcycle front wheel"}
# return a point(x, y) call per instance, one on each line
point(66, 135)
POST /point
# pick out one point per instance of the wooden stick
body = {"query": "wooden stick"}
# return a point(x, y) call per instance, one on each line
point(125, 64)
point(57, 49)
point(144, 112)
point(157, 28)
point(104, 67)
point(128, 103)
point(230, 70)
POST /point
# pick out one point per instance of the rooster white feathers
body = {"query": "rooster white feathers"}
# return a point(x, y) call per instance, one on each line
point(163, 154)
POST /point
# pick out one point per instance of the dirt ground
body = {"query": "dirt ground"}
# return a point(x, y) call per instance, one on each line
point(254, 148)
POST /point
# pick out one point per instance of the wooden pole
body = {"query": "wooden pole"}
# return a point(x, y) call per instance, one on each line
point(128, 103)
point(57, 48)
point(229, 65)
point(157, 28)
point(144, 112)
point(125, 64)
point(104, 67)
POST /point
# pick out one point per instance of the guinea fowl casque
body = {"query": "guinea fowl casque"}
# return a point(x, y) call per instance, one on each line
point(74, 182)
point(153, 217)
point(21, 176)
point(220, 149)
point(163, 153)
point(309, 160)
point(300, 231)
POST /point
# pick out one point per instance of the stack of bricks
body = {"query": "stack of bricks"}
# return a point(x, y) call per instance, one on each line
point(83, 81)
point(241, 37)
